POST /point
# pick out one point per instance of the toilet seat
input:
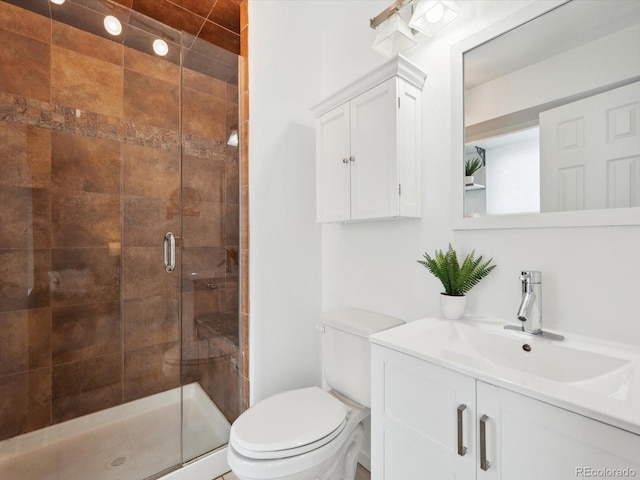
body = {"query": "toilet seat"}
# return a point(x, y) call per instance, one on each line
point(290, 423)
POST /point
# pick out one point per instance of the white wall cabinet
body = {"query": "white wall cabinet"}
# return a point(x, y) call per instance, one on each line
point(420, 430)
point(368, 147)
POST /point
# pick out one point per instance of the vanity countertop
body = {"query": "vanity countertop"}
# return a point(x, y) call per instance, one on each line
point(595, 378)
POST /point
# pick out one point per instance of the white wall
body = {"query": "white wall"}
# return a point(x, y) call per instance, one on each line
point(589, 274)
point(284, 81)
point(373, 265)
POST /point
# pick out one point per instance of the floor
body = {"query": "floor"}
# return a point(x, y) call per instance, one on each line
point(361, 474)
point(128, 442)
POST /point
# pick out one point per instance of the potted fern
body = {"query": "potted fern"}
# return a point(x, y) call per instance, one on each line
point(471, 166)
point(457, 280)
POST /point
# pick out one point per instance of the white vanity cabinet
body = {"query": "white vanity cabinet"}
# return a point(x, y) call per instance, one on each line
point(368, 147)
point(422, 411)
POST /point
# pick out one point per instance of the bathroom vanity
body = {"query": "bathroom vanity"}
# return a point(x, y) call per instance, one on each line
point(467, 399)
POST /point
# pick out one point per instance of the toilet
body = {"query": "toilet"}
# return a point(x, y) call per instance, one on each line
point(310, 433)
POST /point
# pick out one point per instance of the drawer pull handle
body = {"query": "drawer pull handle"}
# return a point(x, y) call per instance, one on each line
point(484, 463)
point(462, 450)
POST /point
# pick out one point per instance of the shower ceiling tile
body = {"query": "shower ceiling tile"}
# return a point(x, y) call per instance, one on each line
point(214, 33)
point(226, 14)
point(170, 14)
point(199, 7)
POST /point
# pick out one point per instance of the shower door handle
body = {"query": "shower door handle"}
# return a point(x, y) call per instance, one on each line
point(169, 247)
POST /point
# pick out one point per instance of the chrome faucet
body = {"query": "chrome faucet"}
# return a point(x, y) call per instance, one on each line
point(530, 311)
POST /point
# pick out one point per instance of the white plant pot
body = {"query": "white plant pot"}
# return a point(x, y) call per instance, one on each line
point(468, 180)
point(452, 306)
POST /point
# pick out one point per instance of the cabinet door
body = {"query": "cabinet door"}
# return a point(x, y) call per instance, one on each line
point(532, 440)
point(415, 419)
point(333, 166)
point(374, 170)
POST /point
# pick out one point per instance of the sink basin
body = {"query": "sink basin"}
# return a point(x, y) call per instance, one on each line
point(544, 358)
point(596, 378)
point(486, 346)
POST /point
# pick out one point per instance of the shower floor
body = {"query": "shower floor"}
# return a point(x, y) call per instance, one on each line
point(129, 442)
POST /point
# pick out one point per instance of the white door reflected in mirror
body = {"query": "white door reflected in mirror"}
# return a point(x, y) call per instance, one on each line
point(555, 104)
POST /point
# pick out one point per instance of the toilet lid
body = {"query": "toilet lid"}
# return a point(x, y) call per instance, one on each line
point(288, 423)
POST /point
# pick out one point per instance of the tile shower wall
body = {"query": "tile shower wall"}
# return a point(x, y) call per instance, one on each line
point(89, 184)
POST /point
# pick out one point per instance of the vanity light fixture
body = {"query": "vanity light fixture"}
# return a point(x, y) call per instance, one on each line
point(430, 16)
point(112, 25)
point(394, 36)
point(160, 47)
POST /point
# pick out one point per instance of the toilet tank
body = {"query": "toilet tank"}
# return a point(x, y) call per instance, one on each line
point(346, 352)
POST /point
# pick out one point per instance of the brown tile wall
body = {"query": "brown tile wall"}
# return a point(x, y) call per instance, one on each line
point(90, 171)
point(244, 201)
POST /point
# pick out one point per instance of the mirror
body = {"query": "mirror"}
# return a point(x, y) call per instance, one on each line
point(551, 118)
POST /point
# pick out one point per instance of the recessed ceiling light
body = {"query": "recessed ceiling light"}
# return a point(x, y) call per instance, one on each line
point(112, 25)
point(160, 47)
point(58, 2)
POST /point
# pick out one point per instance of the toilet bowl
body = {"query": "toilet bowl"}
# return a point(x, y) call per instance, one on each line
point(316, 435)
point(310, 433)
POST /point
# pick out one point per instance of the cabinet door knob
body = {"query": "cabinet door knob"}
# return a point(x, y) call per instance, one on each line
point(484, 463)
point(345, 160)
point(352, 159)
point(462, 450)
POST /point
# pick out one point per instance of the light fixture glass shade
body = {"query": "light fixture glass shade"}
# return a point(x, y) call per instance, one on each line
point(430, 16)
point(393, 37)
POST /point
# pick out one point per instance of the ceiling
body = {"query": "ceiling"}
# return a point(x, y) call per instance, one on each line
point(215, 21)
point(202, 35)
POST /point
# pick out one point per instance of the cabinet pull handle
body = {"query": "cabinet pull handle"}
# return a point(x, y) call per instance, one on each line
point(169, 250)
point(484, 463)
point(461, 448)
point(345, 160)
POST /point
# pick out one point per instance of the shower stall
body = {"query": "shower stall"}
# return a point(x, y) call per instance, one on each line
point(119, 243)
